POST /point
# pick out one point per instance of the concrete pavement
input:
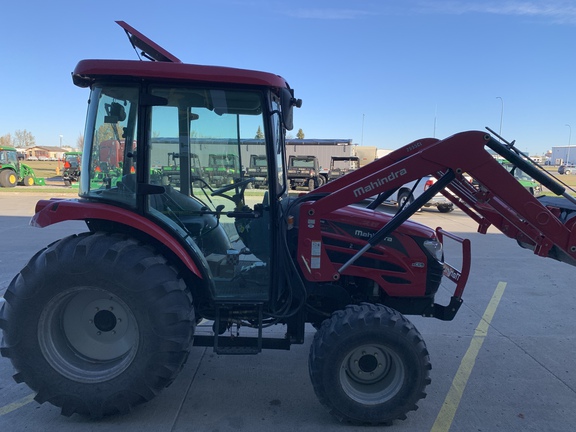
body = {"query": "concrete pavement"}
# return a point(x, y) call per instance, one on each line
point(515, 374)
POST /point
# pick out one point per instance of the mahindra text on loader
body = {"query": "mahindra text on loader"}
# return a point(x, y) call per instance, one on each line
point(99, 322)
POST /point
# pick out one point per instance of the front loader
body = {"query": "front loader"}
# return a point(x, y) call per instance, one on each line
point(99, 322)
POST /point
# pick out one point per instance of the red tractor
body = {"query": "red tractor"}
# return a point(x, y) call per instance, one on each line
point(99, 322)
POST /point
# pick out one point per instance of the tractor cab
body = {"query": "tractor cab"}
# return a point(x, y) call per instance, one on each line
point(169, 128)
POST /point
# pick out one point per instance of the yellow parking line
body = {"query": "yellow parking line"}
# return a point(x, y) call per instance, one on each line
point(15, 405)
point(446, 415)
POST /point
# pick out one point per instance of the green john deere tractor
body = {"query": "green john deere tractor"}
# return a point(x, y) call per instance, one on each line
point(12, 172)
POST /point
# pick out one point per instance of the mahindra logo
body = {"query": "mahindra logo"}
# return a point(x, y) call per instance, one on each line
point(369, 188)
point(360, 233)
point(364, 234)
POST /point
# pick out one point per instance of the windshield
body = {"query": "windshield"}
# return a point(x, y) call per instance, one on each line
point(518, 173)
point(8, 156)
point(303, 163)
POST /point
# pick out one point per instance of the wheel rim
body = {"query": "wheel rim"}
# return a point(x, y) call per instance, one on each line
point(88, 335)
point(372, 374)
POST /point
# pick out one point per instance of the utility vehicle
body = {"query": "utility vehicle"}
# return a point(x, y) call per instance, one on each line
point(342, 165)
point(303, 171)
point(258, 170)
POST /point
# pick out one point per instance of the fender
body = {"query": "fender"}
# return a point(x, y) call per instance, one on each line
point(54, 210)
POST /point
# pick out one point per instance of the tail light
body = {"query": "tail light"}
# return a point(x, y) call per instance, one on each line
point(428, 183)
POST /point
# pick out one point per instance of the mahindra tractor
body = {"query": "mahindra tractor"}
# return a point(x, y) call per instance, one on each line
point(99, 322)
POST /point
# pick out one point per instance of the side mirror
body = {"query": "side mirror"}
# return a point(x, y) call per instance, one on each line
point(116, 113)
point(288, 103)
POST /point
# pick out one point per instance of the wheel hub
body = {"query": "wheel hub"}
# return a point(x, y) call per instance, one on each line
point(372, 374)
point(368, 365)
point(97, 328)
point(88, 334)
point(105, 321)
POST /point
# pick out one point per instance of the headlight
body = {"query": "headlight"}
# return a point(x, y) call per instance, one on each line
point(435, 249)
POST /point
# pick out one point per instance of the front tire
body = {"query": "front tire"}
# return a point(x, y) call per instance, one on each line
point(96, 324)
point(369, 365)
point(311, 184)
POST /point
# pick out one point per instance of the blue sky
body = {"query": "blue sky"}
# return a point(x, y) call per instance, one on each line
point(383, 73)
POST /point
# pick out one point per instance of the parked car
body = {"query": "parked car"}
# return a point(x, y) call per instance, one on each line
point(405, 193)
point(567, 169)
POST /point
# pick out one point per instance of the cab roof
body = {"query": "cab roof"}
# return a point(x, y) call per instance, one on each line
point(165, 66)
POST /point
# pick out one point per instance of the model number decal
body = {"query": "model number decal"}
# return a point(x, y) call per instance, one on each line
point(315, 251)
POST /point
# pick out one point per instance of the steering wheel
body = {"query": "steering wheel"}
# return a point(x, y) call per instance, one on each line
point(239, 186)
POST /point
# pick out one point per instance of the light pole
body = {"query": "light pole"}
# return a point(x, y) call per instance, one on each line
point(501, 114)
point(362, 137)
point(61, 141)
point(569, 138)
point(435, 115)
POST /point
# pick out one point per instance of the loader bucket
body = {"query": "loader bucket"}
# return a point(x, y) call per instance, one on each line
point(39, 181)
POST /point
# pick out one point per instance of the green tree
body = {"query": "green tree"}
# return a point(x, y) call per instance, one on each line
point(105, 132)
point(259, 133)
point(23, 138)
point(300, 134)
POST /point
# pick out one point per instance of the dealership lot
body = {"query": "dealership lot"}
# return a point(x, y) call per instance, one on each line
point(506, 362)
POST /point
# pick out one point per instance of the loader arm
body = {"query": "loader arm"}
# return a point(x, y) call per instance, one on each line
point(544, 225)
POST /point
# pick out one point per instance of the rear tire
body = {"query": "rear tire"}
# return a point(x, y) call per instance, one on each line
point(369, 365)
point(445, 208)
point(96, 324)
point(403, 197)
point(8, 178)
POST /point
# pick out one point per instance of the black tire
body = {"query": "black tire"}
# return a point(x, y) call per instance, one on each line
point(321, 181)
point(28, 181)
point(8, 178)
point(403, 197)
point(311, 184)
point(445, 208)
point(96, 324)
point(369, 365)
